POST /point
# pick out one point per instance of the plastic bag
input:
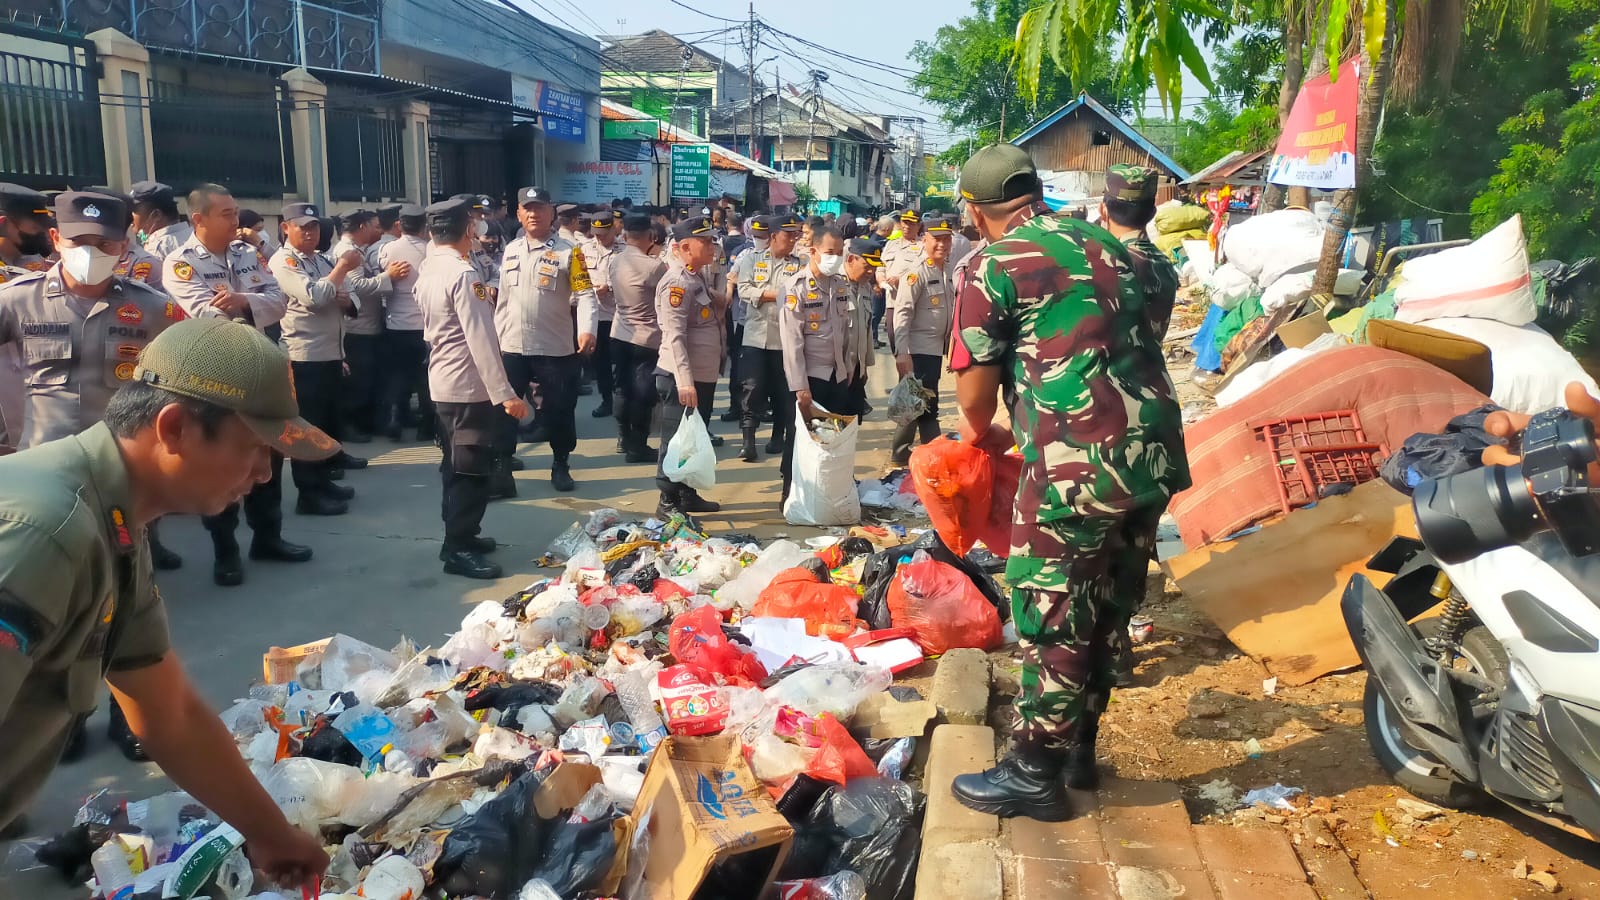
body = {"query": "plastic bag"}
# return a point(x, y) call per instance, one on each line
point(494, 851)
point(872, 827)
point(829, 609)
point(908, 401)
point(943, 607)
point(955, 482)
point(697, 640)
point(345, 658)
point(844, 885)
point(824, 487)
point(878, 575)
point(840, 758)
point(836, 688)
point(690, 460)
point(743, 591)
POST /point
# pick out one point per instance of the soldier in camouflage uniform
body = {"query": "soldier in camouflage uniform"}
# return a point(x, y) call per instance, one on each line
point(1129, 205)
point(1054, 310)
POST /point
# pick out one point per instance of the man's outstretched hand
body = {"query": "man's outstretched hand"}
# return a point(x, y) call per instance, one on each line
point(1507, 425)
point(288, 856)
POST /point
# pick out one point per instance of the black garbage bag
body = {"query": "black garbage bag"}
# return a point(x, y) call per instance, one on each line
point(577, 857)
point(871, 826)
point(495, 850)
point(329, 744)
point(817, 568)
point(69, 851)
point(881, 567)
point(515, 694)
point(1433, 456)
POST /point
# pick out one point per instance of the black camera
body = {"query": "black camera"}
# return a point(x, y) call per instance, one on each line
point(1474, 512)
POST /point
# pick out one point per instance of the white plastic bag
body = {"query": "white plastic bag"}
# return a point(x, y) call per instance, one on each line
point(690, 459)
point(1486, 279)
point(824, 488)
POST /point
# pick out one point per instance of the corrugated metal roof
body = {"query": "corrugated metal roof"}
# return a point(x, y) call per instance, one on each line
point(721, 157)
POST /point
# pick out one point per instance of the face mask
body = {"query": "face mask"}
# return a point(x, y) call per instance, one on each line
point(142, 236)
point(480, 227)
point(35, 244)
point(831, 264)
point(88, 265)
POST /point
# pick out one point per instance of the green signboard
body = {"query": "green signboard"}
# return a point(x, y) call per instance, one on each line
point(691, 171)
point(628, 131)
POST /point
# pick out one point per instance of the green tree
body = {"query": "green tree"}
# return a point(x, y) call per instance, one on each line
point(1216, 129)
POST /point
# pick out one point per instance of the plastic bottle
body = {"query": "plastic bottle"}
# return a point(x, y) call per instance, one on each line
point(634, 695)
point(111, 871)
point(845, 885)
point(398, 762)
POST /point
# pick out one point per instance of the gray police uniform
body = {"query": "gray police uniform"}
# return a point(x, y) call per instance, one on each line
point(636, 342)
point(921, 315)
point(139, 264)
point(191, 274)
point(76, 352)
point(13, 388)
point(313, 332)
point(467, 382)
point(405, 350)
point(164, 241)
point(77, 599)
point(362, 342)
point(764, 387)
point(814, 326)
point(692, 349)
point(597, 259)
point(539, 283)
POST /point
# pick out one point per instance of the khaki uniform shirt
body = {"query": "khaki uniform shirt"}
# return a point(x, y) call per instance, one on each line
point(314, 323)
point(76, 352)
point(898, 255)
point(368, 285)
point(539, 282)
point(76, 599)
point(634, 276)
point(692, 339)
point(487, 267)
point(12, 389)
point(166, 240)
point(139, 264)
point(400, 309)
point(861, 347)
point(814, 323)
point(191, 275)
point(922, 308)
point(464, 363)
point(598, 260)
point(757, 271)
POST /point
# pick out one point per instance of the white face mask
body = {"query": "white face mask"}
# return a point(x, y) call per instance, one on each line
point(88, 265)
point(480, 227)
point(831, 264)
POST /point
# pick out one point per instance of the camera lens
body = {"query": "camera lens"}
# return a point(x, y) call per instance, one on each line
point(1474, 512)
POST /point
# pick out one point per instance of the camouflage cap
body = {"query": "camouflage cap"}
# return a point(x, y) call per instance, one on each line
point(234, 366)
point(1135, 184)
point(997, 173)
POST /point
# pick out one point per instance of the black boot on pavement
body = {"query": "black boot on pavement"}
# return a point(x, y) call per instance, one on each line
point(480, 545)
point(502, 486)
point(748, 451)
point(339, 491)
point(162, 558)
point(228, 571)
point(470, 564)
point(603, 410)
point(121, 735)
point(1016, 787)
point(276, 549)
point(346, 461)
point(561, 477)
point(316, 503)
point(690, 501)
point(775, 445)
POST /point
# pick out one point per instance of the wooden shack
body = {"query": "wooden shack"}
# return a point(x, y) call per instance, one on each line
point(1074, 146)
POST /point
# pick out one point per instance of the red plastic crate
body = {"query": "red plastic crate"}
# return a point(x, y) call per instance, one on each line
point(1315, 451)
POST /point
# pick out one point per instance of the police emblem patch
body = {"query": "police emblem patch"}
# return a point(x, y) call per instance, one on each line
point(675, 297)
point(183, 270)
point(481, 292)
point(130, 313)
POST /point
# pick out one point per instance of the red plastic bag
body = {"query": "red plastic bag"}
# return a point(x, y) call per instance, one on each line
point(840, 758)
point(697, 640)
point(829, 609)
point(969, 493)
point(693, 705)
point(943, 607)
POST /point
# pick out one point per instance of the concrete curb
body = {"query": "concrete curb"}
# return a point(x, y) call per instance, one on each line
point(961, 687)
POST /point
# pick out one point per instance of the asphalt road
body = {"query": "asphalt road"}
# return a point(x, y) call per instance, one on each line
point(377, 577)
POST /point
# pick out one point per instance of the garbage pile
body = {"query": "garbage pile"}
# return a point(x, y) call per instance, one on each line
point(672, 715)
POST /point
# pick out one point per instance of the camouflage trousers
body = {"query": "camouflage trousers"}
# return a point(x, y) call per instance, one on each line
point(1067, 635)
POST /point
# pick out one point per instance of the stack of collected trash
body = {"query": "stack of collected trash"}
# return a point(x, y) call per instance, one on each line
point(671, 715)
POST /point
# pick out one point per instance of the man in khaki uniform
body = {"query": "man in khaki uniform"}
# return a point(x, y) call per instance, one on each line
point(24, 247)
point(692, 348)
point(760, 279)
point(863, 258)
point(598, 250)
point(216, 275)
point(901, 253)
point(189, 434)
point(814, 323)
point(920, 313)
point(370, 284)
point(405, 351)
point(467, 382)
point(635, 336)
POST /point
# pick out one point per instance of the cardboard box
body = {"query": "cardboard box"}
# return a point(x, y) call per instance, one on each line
point(1304, 330)
point(562, 790)
point(278, 664)
point(703, 809)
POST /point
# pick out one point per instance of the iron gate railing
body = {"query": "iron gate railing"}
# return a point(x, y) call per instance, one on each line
point(366, 157)
point(50, 118)
point(240, 140)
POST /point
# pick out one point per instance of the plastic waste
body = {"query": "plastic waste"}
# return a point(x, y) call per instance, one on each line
point(502, 743)
point(908, 401)
point(828, 609)
point(775, 760)
point(838, 886)
point(840, 758)
point(568, 544)
point(689, 459)
point(836, 688)
point(697, 640)
point(346, 657)
point(942, 606)
point(368, 728)
point(492, 851)
point(633, 692)
point(537, 889)
point(1276, 796)
point(693, 705)
point(824, 488)
point(600, 520)
point(199, 864)
point(392, 878)
point(591, 737)
point(872, 827)
point(111, 871)
point(245, 719)
point(894, 762)
point(968, 492)
point(234, 878)
point(743, 591)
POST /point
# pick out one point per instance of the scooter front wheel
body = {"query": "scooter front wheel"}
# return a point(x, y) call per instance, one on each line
point(1414, 769)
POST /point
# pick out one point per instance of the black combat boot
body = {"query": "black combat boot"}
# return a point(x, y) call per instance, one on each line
point(1016, 787)
point(748, 452)
point(502, 485)
point(470, 564)
point(690, 501)
point(603, 410)
point(228, 571)
point(272, 548)
point(317, 503)
point(561, 476)
point(121, 735)
point(1079, 771)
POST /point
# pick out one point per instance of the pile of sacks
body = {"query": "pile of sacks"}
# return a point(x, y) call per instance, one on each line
point(519, 758)
point(1274, 257)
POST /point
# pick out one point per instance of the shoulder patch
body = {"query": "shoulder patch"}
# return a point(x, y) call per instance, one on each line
point(183, 270)
point(792, 302)
point(175, 312)
point(675, 297)
point(911, 278)
point(479, 291)
point(292, 262)
point(141, 270)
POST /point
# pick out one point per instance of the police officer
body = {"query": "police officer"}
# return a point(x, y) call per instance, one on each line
point(862, 260)
point(372, 283)
point(692, 347)
point(541, 276)
point(598, 251)
point(901, 253)
point(155, 215)
point(215, 275)
point(467, 382)
point(485, 256)
point(814, 323)
point(24, 247)
point(921, 325)
point(81, 327)
point(320, 308)
point(188, 433)
point(1128, 206)
point(567, 217)
point(635, 335)
point(761, 279)
point(737, 245)
point(388, 225)
point(404, 349)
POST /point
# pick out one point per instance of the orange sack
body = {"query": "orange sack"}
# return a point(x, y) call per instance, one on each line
point(969, 493)
point(942, 606)
point(829, 609)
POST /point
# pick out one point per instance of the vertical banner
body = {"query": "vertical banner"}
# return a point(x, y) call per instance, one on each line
point(691, 171)
point(1318, 145)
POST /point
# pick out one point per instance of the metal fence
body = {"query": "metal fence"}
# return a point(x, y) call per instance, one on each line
point(50, 119)
point(240, 140)
point(365, 157)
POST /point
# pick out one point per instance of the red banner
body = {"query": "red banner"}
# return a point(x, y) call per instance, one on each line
point(1318, 145)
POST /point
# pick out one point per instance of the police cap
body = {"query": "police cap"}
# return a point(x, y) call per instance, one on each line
point(449, 213)
point(868, 250)
point(532, 195)
point(786, 222)
point(936, 225)
point(89, 214)
point(151, 192)
point(300, 213)
point(695, 226)
point(16, 200)
point(602, 218)
point(412, 214)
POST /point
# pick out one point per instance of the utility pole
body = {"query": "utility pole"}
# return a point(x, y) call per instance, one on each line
point(777, 96)
point(817, 78)
point(750, 94)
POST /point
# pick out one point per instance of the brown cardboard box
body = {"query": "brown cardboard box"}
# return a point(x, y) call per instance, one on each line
point(1304, 330)
point(704, 807)
point(278, 664)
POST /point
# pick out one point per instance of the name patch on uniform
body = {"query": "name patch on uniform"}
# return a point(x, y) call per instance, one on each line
point(124, 331)
point(130, 313)
point(183, 270)
point(37, 329)
point(128, 352)
point(481, 292)
point(141, 271)
point(124, 371)
point(675, 297)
